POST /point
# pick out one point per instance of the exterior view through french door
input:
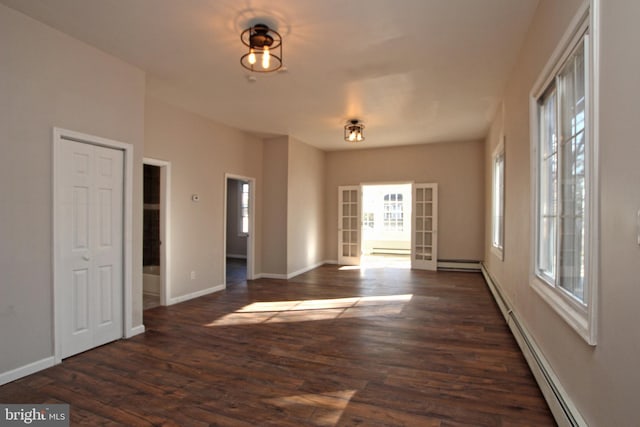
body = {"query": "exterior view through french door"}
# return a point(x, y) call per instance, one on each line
point(89, 253)
point(424, 226)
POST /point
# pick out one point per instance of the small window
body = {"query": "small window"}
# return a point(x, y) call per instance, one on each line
point(244, 208)
point(367, 220)
point(565, 195)
point(497, 202)
point(393, 219)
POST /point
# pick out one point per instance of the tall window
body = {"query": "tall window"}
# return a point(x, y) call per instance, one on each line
point(393, 219)
point(564, 196)
point(561, 179)
point(244, 208)
point(497, 203)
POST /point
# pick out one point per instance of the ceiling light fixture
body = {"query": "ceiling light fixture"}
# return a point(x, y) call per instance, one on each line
point(265, 49)
point(354, 131)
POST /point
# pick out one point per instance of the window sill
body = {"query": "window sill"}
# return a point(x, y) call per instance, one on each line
point(576, 315)
point(499, 253)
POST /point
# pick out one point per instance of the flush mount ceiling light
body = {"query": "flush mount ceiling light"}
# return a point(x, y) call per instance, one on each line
point(354, 131)
point(265, 49)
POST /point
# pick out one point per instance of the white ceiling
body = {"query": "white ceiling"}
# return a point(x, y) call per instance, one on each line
point(415, 71)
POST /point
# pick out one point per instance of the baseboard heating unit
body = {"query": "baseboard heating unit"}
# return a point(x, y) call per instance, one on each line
point(563, 410)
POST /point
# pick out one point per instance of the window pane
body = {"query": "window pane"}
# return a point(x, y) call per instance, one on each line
point(498, 200)
point(572, 183)
point(393, 219)
point(547, 189)
point(244, 208)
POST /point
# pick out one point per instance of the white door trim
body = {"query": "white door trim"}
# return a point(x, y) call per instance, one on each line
point(252, 230)
point(417, 258)
point(350, 259)
point(165, 225)
point(59, 135)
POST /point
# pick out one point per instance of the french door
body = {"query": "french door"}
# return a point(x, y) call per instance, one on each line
point(349, 225)
point(424, 226)
point(424, 233)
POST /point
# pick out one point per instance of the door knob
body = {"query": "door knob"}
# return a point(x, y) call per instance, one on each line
point(86, 257)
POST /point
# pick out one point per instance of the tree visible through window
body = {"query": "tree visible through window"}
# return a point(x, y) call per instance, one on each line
point(561, 179)
point(393, 219)
point(564, 170)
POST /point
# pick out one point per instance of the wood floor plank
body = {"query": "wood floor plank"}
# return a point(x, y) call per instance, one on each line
point(331, 347)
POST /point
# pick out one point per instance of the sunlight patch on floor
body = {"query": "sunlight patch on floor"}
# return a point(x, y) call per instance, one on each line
point(332, 404)
point(321, 309)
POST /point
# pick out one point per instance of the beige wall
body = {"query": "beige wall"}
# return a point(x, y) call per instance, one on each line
point(274, 215)
point(603, 380)
point(457, 168)
point(305, 213)
point(48, 79)
point(200, 152)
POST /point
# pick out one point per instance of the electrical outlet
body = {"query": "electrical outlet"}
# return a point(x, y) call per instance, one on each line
point(193, 275)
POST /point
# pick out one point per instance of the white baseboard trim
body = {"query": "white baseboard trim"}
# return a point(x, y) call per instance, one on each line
point(23, 371)
point(136, 330)
point(271, 276)
point(236, 256)
point(304, 270)
point(331, 261)
point(196, 294)
point(560, 403)
point(293, 274)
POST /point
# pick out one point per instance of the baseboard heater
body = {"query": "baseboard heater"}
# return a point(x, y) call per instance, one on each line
point(391, 251)
point(459, 265)
point(563, 410)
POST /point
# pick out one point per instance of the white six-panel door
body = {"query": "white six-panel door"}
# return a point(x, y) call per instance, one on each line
point(424, 239)
point(89, 266)
point(349, 247)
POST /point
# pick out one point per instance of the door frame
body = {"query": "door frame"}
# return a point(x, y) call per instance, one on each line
point(433, 263)
point(60, 134)
point(252, 228)
point(349, 260)
point(382, 184)
point(165, 225)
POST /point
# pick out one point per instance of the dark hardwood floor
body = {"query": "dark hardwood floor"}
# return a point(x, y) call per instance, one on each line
point(236, 271)
point(380, 347)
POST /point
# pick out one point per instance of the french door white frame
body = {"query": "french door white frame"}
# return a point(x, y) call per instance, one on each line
point(165, 225)
point(252, 228)
point(424, 227)
point(59, 135)
point(431, 264)
point(354, 228)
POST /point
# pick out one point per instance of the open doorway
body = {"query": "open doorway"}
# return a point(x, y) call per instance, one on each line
point(238, 230)
point(155, 236)
point(386, 225)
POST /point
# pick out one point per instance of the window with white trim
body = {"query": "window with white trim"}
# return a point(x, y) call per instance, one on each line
point(393, 219)
point(564, 185)
point(244, 208)
point(497, 202)
point(368, 220)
